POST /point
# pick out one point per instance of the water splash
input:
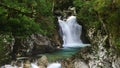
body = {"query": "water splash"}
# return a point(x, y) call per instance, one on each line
point(71, 32)
point(33, 65)
point(54, 65)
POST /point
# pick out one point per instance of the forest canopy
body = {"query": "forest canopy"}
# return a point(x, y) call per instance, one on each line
point(24, 17)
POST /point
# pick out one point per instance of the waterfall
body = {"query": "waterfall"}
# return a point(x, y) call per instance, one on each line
point(71, 32)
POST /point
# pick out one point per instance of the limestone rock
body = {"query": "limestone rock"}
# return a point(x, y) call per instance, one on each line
point(33, 45)
point(101, 54)
point(80, 64)
point(26, 64)
point(43, 61)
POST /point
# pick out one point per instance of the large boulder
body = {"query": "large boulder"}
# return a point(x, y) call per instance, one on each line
point(33, 45)
point(41, 44)
point(14, 47)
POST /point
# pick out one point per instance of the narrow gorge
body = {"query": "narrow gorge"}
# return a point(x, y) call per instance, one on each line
point(60, 34)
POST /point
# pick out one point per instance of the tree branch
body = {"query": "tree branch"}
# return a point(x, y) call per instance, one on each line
point(16, 10)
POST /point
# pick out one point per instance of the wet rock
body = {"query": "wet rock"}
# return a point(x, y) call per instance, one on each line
point(6, 47)
point(33, 45)
point(58, 13)
point(26, 64)
point(43, 62)
point(41, 44)
point(42, 67)
point(101, 54)
point(80, 64)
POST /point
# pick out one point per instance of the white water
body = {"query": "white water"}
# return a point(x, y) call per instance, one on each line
point(54, 65)
point(33, 65)
point(71, 32)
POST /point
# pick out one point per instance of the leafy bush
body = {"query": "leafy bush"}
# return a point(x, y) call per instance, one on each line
point(93, 13)
point(21, 18)
point(29, 13)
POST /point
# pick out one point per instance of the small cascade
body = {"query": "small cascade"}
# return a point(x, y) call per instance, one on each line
point(71, 32)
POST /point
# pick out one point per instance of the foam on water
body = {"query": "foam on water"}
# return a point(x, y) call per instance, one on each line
point(54, 65)
point(70, 32)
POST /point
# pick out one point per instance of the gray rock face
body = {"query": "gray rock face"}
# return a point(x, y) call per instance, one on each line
point(80, 64)
point(6, 47)
point(13, 48)
point(43, 62)
point(38, 39)
point(38, 44)
point(101, 54)
point(41, 44)
point(40, 62)
point(33, 45)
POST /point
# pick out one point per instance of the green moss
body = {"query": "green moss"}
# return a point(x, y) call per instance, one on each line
point(117, 42)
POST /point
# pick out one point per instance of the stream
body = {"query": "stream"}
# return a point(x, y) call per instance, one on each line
point(61, 54)
point(70, 33)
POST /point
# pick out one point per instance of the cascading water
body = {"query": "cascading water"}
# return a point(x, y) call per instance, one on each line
point(71, 32)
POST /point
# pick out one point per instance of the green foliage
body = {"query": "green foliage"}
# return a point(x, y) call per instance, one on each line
point(21, 18)
point(63, 4)
point(94, 13)
point(44, 7)
point(118, 42)
point(86, 13)
point(26, 17)
point(101, 5)
point(19, 26)
point(23, 25)
point(16, 4)
point(44, 12)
